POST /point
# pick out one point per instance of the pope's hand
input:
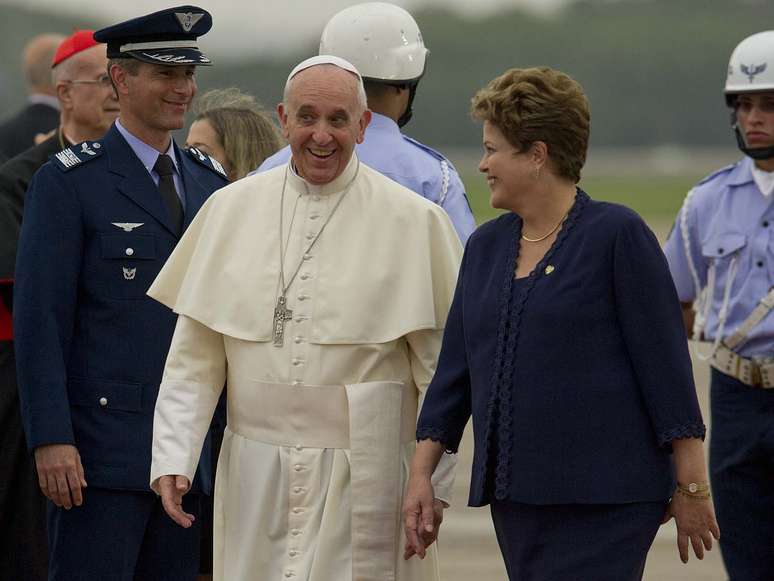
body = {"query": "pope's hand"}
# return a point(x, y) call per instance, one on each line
point(172, 488)
point(422, 516)
point(60, 474)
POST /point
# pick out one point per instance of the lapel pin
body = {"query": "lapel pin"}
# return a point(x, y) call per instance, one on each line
point(549, 269)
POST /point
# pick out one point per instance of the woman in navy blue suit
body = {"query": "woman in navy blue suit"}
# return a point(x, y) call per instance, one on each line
point(565, 343)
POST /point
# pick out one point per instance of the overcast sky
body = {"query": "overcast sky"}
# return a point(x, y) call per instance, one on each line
point(246, 28)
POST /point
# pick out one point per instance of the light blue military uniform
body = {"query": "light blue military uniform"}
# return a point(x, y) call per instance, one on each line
point(728, 220)
point(730, 228)
point(411, 164)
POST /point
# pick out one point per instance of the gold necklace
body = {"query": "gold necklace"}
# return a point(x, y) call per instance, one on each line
point(554, 229)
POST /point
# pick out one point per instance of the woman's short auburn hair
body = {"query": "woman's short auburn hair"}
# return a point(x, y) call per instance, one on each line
point(539, 104)
point(245, 130)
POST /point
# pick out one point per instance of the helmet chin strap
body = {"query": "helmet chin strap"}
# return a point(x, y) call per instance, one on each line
point(408, 113)
point(753, 152)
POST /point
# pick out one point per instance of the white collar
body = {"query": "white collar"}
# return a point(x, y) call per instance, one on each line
point(764, 180)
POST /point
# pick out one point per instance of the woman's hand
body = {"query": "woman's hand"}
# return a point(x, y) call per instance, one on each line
point(422, 516)
point(695, 520)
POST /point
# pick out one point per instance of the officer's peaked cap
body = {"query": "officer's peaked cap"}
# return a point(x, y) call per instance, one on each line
point(166, 37)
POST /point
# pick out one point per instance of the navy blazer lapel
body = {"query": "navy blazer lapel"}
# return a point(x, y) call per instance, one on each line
point(137, 184)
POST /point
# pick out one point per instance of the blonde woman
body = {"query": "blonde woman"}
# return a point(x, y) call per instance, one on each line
point(232, 127)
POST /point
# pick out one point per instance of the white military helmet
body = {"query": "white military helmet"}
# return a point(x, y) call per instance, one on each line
point(750, 70)
point(382, 40)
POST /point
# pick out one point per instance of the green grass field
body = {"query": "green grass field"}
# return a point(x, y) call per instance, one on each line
point(656, 199)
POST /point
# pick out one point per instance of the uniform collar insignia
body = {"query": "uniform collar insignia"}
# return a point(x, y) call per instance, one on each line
point(188, 19)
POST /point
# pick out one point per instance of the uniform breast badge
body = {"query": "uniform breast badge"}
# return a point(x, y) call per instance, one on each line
point(129, 273)
point(127, 226)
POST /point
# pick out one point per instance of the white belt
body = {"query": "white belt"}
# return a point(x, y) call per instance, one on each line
point(373, 420)
point(745, 370)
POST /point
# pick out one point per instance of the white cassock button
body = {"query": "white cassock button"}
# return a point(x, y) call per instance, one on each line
point(310, 235)
point(298, 468)
point(299, 447)
point(299, 319)
point(298, 510)
point(305, 276)
point(298, 490)
point(297, 362)
point(295, 532)
point(103, 401)
point(314, 216)
point(129, 251)
point(298, 340)
point(316, 198)
point(289, 574)
point(307, 256)
point(298, 382)
point(303, 297)
point(292, 552)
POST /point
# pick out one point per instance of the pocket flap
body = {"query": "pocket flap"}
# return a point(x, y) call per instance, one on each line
point(128, 246)
point(102, 393)
point(722, 245)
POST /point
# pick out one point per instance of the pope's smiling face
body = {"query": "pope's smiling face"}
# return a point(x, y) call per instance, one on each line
point(323, 119)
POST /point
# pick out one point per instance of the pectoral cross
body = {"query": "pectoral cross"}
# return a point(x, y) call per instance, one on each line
point(281, 315)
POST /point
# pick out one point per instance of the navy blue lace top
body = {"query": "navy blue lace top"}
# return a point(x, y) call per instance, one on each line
point(577, 377)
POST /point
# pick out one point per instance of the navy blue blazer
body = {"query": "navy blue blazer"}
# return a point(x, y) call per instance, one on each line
point(90, 344)
point(578, 377)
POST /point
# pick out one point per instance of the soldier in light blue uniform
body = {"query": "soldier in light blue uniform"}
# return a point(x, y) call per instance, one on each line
point(721, 254)
point(100, 220)
point(384, 42)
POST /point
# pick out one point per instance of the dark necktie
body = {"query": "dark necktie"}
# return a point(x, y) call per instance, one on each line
point(166, 169)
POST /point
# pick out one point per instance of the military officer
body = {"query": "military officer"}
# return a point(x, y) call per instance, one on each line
point(720, 255)
point(87, 109)
point(100, 220)
point(384, 43)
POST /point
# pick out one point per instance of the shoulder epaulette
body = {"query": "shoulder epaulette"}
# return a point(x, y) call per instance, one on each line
point(436, 154)
point(445, 167)
point(207, 161)
point(721, 171)
point(76, 155)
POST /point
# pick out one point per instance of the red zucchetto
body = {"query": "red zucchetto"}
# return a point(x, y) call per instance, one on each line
point(73, 44)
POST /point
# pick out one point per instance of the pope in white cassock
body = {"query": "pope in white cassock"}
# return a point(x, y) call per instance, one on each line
point(318, 291)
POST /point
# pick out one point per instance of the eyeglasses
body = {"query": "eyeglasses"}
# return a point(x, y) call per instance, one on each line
point(103, 81)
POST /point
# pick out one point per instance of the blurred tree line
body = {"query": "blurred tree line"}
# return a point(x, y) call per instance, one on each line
point(653, 69)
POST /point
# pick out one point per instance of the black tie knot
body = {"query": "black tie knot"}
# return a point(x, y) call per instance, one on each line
point(164, 166)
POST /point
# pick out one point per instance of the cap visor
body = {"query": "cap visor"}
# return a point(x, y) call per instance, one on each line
point(171, 56)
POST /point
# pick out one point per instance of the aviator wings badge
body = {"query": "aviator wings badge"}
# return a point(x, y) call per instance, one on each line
point(127, 226)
